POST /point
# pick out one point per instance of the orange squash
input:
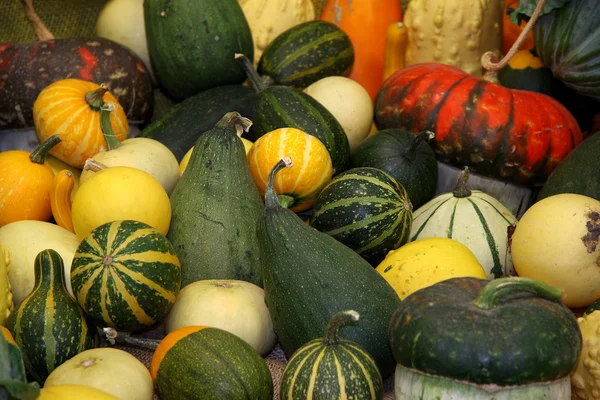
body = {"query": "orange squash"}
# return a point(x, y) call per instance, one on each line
point(297, 187)
point(61, 199)
point(25, 183)
point(70, 108)
point(510, 31)
point(366, 23)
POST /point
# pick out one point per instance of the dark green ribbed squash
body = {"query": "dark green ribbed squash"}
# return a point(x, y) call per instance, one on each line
point(339, 368)
point(309, 277)
point(215, 208)
point(365, 209)
point(285, 107)
point(125, 274)
point(406, 157)
point(48, 325)
point(512, 334)
point(306, 53)
point(191, 44)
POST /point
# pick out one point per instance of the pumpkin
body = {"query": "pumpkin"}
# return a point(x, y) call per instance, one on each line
point(366, 23)
point(25, 183)
point(332, 367)
point(113, 371)
point(556, 241)
point(511, 31)
point(495, 131)
point(299, 185)
point(453, 32)
point(473, 218)
point(232, 305)
point(6, 297)
point(70, 108)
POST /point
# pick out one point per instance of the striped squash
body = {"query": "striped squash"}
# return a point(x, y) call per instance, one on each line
point(125, 274)
point(473, 218)
point(48, 326)
point(367, 210)
point(298, 186)
point(306, 53)
point(205, 363)
point(332, 368)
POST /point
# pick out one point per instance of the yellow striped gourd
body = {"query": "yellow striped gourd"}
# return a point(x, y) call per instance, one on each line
point(6, 297)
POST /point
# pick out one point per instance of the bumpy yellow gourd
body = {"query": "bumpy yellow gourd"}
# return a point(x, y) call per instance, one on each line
point(6, 297)
point(585, 380)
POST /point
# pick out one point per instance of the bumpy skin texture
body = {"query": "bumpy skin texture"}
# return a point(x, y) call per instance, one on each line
point(585, 382)
point(27, 68)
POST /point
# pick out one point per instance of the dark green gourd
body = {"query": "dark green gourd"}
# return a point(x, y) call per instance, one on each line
point(309, 277)
point(215, 208)
point(13, 379)
point(285, 107)
point(48, 326)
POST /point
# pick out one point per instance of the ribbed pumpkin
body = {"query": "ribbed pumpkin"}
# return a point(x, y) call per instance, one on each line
point(70, 108)
point(301, 184)
point(367, 210)
point(497, 131)
point(48, 326)
point(332, 368)
point(125, 274)
point(473, 218)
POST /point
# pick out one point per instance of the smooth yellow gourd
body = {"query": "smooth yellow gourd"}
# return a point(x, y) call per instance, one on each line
point(454, 32)
point(424, 262)
point(585, 380)
point(6, 297)
point(556, 242)
point(74, 392)
point(186, 158)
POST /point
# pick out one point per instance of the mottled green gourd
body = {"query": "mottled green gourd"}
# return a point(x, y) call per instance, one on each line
point(215, 209)
point(48, 326)
point(309, 277)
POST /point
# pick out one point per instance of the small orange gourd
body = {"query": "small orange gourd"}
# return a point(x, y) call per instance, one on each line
point(510, 31)
point(25, 182)
point(61, 199)
point(71, 108)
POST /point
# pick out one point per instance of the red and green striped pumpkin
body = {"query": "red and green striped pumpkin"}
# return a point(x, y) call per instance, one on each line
point(125, 274)
point(332, 368)
point(365, 209)
point(514, 135)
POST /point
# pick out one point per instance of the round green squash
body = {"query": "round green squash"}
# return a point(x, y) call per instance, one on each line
point(407, 158)
point(365, 209)
point(332, 368)
point(526, 71)
point(126, 275)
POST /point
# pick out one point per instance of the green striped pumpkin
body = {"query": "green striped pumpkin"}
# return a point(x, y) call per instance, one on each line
point(365, 209)
point(473, 218)
point(125, 274)
point(306, 53)
point(48, 325)
point(332, 368)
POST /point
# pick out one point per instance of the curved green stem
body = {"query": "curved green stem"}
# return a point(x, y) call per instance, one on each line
point(251, 73)
point(38, 156)
point(271, 199)
point(462, 185)
point(421, 137)
point(95, 98)
point(109, 135)
point(339, 320)
point(497, 289)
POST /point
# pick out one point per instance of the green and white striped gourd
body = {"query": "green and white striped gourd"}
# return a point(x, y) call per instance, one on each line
point(48, 325)
point(473, 218)
point(126, 275)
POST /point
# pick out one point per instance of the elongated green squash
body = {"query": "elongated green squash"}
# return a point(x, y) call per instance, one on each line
point(215, 209)
point(48, 326)
point(309, 277)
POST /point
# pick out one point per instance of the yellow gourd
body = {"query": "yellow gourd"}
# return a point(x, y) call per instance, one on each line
point(6, 297)
point(395, 48)
point(585, 380)
point(74, 392)
point(424, 262)
point(454, 32)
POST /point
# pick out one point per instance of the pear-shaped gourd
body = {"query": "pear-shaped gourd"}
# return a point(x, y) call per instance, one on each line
point(48, 326)
point(309, 277)
point(216, 207)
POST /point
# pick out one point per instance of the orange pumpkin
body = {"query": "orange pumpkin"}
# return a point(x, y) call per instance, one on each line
point(510, 31)
point(366, 23)
point(70, 108)
point(298, 186)
point(25, 183)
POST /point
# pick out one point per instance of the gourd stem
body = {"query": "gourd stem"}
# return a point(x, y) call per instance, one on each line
point(241, 124)
point(93, 165)
point(109, 135)
point(38, 156)
point(95, 98)
point(285, 200)
point(332, 332)
point(421, 137)
point(462, 185)
point(500, 288)
point(251, 73)
point(38, 26)
point(489, 60)
point(113, 337)
point(271, 199)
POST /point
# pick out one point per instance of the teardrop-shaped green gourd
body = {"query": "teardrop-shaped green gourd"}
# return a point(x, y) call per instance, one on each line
point(215, 209)
point(309, 277)
point(48, 325)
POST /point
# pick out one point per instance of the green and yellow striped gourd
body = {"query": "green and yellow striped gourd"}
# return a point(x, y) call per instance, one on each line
point(125, 274)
